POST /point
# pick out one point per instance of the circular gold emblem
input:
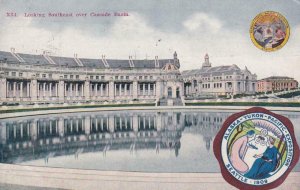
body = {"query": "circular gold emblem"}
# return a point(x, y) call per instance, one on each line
point(269, 31)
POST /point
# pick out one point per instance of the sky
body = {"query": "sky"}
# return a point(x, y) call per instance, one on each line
point(192, 28)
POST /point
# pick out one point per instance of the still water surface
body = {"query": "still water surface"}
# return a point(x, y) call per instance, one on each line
point(147, 141)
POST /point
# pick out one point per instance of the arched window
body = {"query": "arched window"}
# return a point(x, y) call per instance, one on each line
point(169, 92)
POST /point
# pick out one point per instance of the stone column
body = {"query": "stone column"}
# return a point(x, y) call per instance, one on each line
point(101, 89)
point(44, 89)
point(130, 89)
point(125, 90)
point(38, 89)
point(8, 89)
point(61, 90)
point(82, 88)
point(50, 89)
point(135, 89)
point(149, 93)
point(96, 89)
point(144, 89)
point(107, 89)
point(76, 89)
point(120, 89)
point(87, 90)
point(21, 90)
point(3, 87)
point(34, 89)
point(111, 93)
point(56, 89)
point(71, 89)
point(14, 89)
point(27, 89)
point(65, 89)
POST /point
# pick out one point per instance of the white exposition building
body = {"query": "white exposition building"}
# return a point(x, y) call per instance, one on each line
point(218, 81)
point(27, 78)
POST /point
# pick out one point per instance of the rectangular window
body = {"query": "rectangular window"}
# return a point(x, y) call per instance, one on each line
point(97, 77)
point(146, 77)
point(140, 77)
point(20, 74)
point(151, 77)
point(77, 76)
point(127, 77)
point(44, 75)
point(122, 77)
point(37, 75)
point(151, 86)
point(65, 76)
point(71, 76)
point(91, 77)
point(117, 77)
point(102, 77)
point(13, 74)
point(50, 75)
point(6, 73)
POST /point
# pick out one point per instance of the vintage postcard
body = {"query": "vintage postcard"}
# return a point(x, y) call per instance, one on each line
point(149, 94)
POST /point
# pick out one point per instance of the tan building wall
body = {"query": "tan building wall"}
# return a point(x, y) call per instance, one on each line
point(276, 84)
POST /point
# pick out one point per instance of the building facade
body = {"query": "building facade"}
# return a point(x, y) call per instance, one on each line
point(218, 81)
point(276, 83)
point(28, 78)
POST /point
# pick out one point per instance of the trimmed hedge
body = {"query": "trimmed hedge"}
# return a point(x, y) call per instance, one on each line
point(73, 107)
point(275, 104)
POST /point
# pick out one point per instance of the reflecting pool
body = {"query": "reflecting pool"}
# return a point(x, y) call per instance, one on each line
point(147, 141)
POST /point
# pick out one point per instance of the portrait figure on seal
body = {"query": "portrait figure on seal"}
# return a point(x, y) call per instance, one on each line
point(269, 30)
point(256, 149)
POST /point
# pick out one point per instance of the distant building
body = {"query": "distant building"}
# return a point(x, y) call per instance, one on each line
point(276, 83)
point(219, 80)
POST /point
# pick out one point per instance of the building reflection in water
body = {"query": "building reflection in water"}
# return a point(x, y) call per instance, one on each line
point(43, 137)
point(24, 139)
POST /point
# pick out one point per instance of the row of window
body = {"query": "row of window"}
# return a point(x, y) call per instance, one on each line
point(216, 78)
point(20, 74)
point(145, 77)
point(97, 77)
point(122, 77)
point(205, 85)
point(217, 85)
point(275, 84)
point(38, 75)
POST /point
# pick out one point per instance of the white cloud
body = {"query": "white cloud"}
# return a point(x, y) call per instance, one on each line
point(133, 36)
point(202, 22)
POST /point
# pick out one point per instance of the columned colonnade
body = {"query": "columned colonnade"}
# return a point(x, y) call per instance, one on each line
point(61, 90)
